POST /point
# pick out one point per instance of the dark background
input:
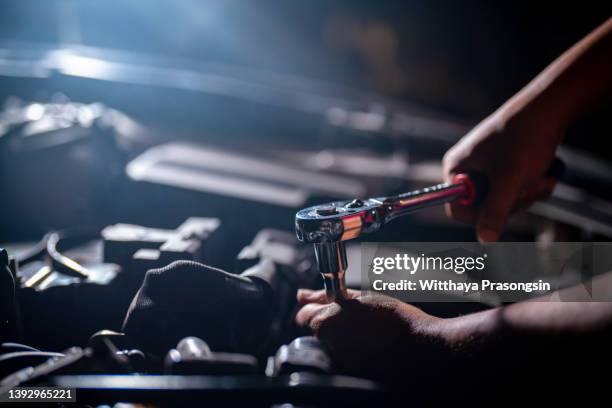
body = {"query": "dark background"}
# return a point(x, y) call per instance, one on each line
point(455, 60)
point(464, 57)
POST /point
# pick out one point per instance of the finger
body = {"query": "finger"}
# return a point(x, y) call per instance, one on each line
point(545, 188)
point(498, 205)
point(454, 210)
point(462, 213)
point(307, 313)
point(540, 191)
point(305, 296)
point(350, 294)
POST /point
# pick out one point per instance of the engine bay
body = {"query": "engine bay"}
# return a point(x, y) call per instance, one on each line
point(148, 248)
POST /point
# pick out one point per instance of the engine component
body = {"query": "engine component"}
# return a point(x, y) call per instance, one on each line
point(117, 338)
point(208, 170)
point(289, 266)
point(141, 248)
point(302, 354)
point(117, 343)
point(61, 162)
point(193, 356)
point(55, 267)
point(280, 247)
point(9, 317)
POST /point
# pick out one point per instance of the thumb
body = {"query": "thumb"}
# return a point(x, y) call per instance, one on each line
point(496, 210)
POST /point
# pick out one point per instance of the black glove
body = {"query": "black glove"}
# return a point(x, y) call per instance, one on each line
point(230, 312)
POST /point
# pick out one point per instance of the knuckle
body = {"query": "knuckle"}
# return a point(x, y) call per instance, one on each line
point(450, 161)
point(316, 322)
point(322, 319)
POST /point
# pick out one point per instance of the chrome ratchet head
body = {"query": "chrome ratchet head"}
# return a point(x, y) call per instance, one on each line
point(338, 220)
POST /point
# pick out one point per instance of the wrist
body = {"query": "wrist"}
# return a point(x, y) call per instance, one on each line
point(539, 104)
point(467, 332)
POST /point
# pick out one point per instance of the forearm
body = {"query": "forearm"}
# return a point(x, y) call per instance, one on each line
point(531, 319)
point(533, 325)
point(575, 81)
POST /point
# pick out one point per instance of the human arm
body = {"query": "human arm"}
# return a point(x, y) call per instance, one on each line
point(515, 145)
point(381, 337)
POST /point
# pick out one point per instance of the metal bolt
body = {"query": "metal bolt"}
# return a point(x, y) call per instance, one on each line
point(327, 210)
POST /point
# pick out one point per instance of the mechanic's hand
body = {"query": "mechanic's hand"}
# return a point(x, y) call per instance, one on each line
point(373, 336)
point(513, 147)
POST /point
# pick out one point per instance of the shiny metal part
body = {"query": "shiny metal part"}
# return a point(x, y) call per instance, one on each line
point(332, 264)
point(327, 226)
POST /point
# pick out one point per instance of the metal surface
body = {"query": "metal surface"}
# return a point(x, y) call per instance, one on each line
point(304, 354)
point(344, 220)
point(332, 263)
point(298, 387)
point(327, 226)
